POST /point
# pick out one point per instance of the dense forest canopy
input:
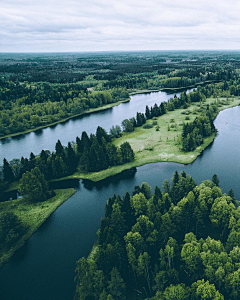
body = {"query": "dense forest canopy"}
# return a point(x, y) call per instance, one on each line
point(180, 242)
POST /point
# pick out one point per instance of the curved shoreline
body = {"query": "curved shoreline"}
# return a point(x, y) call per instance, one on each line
point(182, 157)
point(105, 107)
point(92, 110)
point(60, 198)
point(185, 158)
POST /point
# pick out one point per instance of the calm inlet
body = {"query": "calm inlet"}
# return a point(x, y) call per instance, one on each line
point(44, 267)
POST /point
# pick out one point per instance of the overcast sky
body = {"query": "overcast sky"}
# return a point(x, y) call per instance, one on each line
point(102, 25)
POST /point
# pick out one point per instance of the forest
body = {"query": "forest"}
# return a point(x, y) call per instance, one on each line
point(98, 152)
point(39, 90)
point(90, 154)
point(179, 242)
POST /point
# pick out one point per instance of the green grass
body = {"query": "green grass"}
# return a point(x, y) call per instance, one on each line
point(164, 145)
point(32, 215)
point(150, 145)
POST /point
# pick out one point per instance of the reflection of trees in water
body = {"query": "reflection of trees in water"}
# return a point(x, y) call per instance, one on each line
point(125, 175)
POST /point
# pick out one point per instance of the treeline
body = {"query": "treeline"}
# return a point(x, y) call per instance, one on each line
point(27, 106)
point(183, 101)
point(193, 133)
point(178, 243)
point(188, 77)
point(88, 154)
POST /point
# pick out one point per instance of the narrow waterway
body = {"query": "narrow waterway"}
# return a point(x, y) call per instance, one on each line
point(44, 267)
point(46, 138)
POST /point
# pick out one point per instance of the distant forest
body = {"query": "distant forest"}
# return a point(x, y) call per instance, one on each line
point(40, 89)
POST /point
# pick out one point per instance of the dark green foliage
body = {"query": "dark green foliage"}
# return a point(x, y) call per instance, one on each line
point(147, 113)
point(182, 243)
point(28, 106)
point(11, 230)
point(7, 171)
point(115, 131)
point(193, 133)
point(89, 154)
point(127, 152)
point(34, 185)
point(27, 102)
point(100, 134)
point(215, 180)
point(127, 125)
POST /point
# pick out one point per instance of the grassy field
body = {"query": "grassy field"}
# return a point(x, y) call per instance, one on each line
point(150, 145)
point(32, 215)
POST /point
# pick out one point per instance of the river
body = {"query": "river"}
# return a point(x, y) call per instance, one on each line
point(67, 131)
point(43, 269)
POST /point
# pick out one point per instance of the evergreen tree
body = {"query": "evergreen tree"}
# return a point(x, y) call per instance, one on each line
point(7, 171)
point(147, 113)
point(215, 180)
point(117, 286)
point(127, 152)
point(85, 140)
point(59, 148)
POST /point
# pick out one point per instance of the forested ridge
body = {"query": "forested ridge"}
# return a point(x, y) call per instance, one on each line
point(181, 242)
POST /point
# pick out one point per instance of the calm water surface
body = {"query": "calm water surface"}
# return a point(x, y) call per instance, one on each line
point(46, 138)
point(44, 268)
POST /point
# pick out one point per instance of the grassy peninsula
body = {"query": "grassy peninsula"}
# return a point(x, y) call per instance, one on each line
point(32, 216)
point(150, 145)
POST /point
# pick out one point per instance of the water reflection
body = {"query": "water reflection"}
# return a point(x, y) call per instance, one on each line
point(115, 180)
point(38, 132)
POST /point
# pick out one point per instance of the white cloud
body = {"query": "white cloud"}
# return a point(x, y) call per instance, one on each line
point(71, 25)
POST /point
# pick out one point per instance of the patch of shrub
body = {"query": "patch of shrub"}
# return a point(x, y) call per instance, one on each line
point(147, 126)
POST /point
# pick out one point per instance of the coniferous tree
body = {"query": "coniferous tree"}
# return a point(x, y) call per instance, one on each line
point(7, 171)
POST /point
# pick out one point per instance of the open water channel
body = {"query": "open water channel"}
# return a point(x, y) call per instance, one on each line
point(43, 269)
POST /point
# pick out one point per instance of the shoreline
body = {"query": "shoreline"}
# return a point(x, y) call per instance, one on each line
point(93, 110)
point(182, 157)
point(185, 158)
point(61, 196)
point(179, 89)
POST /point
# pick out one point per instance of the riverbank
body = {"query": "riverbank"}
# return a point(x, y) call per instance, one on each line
point(92, 110)
point(151, 146)
point(32, 215)
point(178, 89)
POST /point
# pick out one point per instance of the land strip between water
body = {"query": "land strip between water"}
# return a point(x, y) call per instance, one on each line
point(160, 143)
point(32, 215)
point(104, 107)
point(150, 145)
